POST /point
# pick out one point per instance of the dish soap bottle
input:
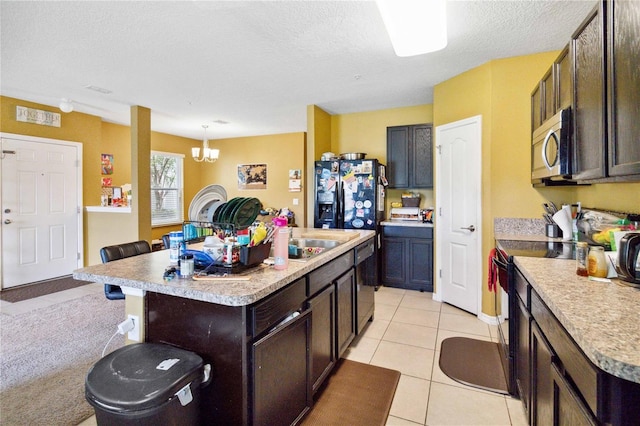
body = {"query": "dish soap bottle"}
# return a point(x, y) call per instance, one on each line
point(281, 243)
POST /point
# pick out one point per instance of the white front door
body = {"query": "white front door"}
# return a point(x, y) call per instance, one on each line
point(41, 216)
point(458, 214)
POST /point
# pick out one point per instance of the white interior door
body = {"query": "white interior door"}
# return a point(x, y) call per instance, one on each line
point(41, 216)
point(458, 215)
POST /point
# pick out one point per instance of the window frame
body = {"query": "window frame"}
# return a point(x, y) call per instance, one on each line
point(155, 223)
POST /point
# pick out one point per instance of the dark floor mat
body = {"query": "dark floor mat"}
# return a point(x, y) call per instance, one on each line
point(473, 362)
point(41, 288)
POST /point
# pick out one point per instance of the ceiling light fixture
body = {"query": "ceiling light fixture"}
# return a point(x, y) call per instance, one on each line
point(66, 105)
point(208, 155)
point(415, 27)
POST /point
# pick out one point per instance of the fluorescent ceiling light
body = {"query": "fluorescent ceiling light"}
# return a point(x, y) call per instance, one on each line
point(415, 26)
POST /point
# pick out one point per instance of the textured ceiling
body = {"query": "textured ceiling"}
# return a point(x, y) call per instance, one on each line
point(253, 64)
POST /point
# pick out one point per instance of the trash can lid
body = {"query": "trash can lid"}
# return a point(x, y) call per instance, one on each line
point(141, 376)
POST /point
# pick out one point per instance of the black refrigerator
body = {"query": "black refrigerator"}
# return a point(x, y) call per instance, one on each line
point(349, 194)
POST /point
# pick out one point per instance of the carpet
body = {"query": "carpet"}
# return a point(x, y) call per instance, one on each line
point(45, 355)
point(354, 394)
point(474, 363)
point(40, 288)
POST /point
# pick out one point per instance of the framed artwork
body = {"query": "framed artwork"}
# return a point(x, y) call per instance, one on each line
point(252, 176)
point(295, 180)
point(117, 192)
point(106, 161)
point(106, 181)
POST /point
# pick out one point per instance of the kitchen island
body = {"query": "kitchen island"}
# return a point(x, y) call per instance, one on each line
point(271, 340)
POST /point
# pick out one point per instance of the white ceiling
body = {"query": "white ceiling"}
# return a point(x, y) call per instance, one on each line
point(253, 64)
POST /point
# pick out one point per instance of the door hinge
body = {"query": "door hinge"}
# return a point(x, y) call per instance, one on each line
point(439, 211)
point(78, 256)
point(439, 148)
point(440, 272)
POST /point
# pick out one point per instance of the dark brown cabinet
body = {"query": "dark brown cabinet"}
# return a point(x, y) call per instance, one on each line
point(345, 319)
point(589, 129)
point(410, 156)
point(282, 357)
point(623, 58)
point(557, 383)
point(407, 257)
point(541, 410)
point(323, 345)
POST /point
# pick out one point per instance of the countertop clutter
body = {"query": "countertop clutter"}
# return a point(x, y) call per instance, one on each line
point(146, 273)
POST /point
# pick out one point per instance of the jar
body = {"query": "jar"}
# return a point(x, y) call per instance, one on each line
point(597, 262)
point(175, 242)
point(582, 250)
point(186, 265)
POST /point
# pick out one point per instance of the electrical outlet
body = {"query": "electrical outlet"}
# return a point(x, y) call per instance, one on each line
point(135, 333)
point(295, 202)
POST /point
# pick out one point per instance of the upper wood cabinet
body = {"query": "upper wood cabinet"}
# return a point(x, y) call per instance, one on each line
point(410, 156)
point(554, 91)
point(563, 84)
point(589, 100)
point(623, 58)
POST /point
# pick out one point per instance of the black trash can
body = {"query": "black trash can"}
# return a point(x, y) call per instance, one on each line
point(147, 384)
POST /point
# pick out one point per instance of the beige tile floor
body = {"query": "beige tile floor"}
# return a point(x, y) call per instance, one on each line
point(405, 335)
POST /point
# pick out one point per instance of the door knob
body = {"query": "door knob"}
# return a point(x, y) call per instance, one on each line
point(470, 228)
point(7, 221)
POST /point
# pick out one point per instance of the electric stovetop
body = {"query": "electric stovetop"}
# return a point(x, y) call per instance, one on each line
point(550, 249)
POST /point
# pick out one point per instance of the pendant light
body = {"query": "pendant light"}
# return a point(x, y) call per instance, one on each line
point(209, 155)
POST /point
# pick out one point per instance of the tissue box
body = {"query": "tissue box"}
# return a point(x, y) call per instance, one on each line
point(410, 201)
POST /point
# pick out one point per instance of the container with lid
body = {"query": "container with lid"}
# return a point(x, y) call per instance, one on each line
point(597, 262)
point(582, 250)
point(147, 384)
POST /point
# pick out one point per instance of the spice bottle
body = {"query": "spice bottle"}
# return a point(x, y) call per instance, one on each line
point(582, 250)
point(281, 243)
point(186, 265)
point(597, 262)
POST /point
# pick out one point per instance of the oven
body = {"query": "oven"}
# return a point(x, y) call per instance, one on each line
point(506, 298)
point(505, 289)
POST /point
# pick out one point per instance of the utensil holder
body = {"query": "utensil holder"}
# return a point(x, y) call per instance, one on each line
point(553, 230)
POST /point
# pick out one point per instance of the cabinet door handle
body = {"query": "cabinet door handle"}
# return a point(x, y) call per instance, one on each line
point(469, 228)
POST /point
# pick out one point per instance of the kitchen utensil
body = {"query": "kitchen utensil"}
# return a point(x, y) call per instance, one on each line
point(353, 156)
point(553, 207)
point(628, 267)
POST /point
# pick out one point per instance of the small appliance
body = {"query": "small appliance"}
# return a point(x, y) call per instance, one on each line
point(405, 213)
point(628, 265)
point(551, 149)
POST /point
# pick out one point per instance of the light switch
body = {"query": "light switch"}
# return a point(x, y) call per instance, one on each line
point(295, 201)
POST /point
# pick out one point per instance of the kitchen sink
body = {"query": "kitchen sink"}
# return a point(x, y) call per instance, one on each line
point(310, 247)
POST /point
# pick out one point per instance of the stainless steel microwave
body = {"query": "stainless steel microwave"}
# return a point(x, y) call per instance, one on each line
point(551, 149)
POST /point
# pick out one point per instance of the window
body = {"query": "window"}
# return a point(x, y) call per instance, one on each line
point(166, 188)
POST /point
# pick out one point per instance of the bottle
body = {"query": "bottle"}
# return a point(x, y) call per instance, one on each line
point(597, 262)
point(582, 249)
point(281, 243)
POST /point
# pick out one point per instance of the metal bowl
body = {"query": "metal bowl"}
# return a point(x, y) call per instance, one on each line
point(353, 156)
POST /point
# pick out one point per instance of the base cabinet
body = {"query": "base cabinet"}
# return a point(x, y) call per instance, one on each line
point(323, 343)
point(345, 318)
point(408, 257)
point(564, 386)
point(282, 357)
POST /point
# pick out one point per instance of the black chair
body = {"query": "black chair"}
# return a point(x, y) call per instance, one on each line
point(165, 241)
point(120, 251)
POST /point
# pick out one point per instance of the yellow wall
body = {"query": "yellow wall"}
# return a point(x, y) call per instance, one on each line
point(500, 91)
point(280, 153)
point(367, 132)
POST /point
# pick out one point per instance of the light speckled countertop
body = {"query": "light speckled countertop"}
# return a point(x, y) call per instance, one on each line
point(603, 318)
point(145, 272)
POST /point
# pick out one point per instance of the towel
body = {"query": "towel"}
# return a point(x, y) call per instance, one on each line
point(496, 275)
point(493, 271)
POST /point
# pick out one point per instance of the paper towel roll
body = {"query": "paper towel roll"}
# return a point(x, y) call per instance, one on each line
point(563, 218)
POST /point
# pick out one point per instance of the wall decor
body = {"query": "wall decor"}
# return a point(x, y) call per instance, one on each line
point(295, 180)
point(106, 182)
point(252, 176)
point(106, 161)
point(37, 116)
